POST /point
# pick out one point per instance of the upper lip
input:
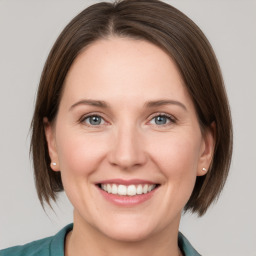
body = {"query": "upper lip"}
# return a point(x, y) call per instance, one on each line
point(126, 182)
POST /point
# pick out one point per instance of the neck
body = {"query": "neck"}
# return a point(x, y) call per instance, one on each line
point(85, 240)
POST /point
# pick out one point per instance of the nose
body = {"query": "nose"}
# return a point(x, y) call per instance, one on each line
point(127, 150)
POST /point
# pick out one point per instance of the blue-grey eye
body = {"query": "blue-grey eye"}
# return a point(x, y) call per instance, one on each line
point(94, 120)
point(160, 120)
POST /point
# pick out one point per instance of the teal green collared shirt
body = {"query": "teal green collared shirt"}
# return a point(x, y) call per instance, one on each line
point(54, 246)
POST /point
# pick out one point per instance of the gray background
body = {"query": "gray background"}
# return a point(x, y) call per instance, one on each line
point(27, 31)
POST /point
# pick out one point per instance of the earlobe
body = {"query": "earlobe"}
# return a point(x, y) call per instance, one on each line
point(51, 143)
point(208, 148)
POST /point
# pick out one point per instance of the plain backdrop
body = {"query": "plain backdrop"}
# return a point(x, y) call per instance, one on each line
point(28, 29)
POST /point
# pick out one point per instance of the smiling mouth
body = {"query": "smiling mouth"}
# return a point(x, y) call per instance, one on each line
point(128, 190)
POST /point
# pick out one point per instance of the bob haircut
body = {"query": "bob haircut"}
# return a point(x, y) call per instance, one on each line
point(172, 31)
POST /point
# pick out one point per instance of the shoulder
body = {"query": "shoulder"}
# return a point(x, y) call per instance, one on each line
point(186, 247)
point(39, 247)
point(53, 245)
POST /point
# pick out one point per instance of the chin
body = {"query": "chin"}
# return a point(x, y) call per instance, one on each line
point(128, 231)
point(129, 235)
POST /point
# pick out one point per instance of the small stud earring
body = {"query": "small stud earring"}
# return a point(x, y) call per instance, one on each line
point(204, 169)
point(54, 164)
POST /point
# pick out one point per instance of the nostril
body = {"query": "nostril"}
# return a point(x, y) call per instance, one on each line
point(127, 149)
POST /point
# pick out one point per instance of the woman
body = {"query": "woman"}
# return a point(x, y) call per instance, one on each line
point(132, 121)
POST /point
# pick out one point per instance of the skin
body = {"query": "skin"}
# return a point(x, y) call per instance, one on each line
point(128, 143)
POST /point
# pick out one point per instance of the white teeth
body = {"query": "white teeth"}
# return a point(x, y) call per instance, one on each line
point(121, 190)
point(109, 189)
point(139, 190)
point(150, 188)
point(145, 189)
point(130, 190)
point(114, 189)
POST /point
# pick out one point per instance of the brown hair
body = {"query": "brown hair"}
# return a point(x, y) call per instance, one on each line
point(172, 31)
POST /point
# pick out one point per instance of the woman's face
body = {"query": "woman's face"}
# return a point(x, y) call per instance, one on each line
point(126, 125)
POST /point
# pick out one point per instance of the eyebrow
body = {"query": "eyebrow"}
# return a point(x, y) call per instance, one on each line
point(157, 103)
point(96, 103)
point(148, 104)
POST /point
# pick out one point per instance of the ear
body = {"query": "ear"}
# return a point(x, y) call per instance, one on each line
point(207, 149)
point(51, 142)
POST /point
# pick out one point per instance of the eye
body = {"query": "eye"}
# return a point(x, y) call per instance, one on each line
point(93, 120)
point(162, 119)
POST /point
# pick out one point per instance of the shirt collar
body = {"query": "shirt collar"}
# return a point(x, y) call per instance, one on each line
point(186, 247)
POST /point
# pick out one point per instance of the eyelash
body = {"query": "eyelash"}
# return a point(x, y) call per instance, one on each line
point(83, 119)
point(171, 119)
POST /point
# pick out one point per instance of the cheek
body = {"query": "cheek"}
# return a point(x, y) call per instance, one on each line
point(177, 152)
point(79, 154)
point(177, 157)
point(179, 165)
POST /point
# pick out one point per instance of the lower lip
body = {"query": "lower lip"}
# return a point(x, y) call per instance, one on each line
point(127, 200)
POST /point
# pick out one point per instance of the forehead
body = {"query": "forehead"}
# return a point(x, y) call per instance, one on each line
point(124, 68)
